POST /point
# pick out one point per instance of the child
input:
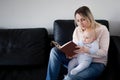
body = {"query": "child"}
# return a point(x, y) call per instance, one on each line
point(82, 60)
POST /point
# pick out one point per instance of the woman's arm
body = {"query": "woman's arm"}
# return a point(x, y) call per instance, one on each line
point(104, 39)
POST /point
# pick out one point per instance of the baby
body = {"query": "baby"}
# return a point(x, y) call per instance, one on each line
point(83, 60)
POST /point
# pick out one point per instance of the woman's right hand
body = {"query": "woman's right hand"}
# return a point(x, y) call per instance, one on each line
point(78, 49)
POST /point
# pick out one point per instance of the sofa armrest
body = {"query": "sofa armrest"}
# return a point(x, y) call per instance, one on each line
point(113, 66)
point(116, 40)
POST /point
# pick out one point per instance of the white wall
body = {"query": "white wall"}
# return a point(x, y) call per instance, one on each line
point(42, 13)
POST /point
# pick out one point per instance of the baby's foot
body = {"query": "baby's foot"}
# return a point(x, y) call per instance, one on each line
point(66, 77)
point(74, 72)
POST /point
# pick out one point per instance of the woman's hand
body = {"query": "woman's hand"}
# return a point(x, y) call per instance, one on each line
point(82, 49)
point(78, 49)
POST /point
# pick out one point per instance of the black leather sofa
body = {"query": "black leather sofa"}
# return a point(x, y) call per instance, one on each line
point(24, 53)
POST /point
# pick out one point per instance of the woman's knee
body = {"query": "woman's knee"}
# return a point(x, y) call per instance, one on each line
point(55, 53)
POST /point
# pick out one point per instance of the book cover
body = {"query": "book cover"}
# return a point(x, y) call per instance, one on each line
point(68, 48)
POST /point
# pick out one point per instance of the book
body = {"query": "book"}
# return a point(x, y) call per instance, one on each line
point(67, 48)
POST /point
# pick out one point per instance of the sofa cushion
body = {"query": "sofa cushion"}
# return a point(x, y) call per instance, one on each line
point(23, 46)
point(117, 43)
point(63, 29)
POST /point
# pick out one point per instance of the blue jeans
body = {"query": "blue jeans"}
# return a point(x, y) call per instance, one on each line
point(57, 58)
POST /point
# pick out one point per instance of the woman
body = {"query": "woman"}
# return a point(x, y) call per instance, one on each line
point(84, 20)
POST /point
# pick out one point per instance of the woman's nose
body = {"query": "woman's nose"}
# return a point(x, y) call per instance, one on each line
point(81, 23)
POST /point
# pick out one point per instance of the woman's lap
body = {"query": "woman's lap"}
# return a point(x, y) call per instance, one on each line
point(57, 58)
point(90, 73)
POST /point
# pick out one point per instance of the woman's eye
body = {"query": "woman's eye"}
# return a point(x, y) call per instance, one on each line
point(82, 19)
point(87, 38)
point(78, 21)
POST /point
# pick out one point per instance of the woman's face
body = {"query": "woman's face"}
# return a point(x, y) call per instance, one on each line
point(82, 21)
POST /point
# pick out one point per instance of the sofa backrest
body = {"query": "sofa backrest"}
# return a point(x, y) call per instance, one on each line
point(23, 46)
point(63, 29)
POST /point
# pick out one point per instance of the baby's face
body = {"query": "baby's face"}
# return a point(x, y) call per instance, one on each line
point(87, 38)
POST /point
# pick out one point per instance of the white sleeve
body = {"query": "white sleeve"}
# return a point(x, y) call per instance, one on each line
point(94, 47)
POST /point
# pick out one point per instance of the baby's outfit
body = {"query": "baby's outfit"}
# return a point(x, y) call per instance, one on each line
point(82, 61)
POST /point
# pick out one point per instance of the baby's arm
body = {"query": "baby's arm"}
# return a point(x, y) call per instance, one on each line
point(94, 47)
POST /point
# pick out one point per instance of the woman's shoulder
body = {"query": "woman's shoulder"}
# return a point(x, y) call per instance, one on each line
point(101, 27)
point(77, 29)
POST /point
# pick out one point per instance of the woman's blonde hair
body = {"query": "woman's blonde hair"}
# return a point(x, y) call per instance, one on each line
point(86, 13)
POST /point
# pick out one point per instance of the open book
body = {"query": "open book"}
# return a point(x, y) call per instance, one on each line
point(67, 48)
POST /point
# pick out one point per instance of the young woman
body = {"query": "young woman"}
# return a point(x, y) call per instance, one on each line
point(84, 20)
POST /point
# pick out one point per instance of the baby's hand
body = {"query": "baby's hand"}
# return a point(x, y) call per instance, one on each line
point(84, 49)
point(75, 55)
